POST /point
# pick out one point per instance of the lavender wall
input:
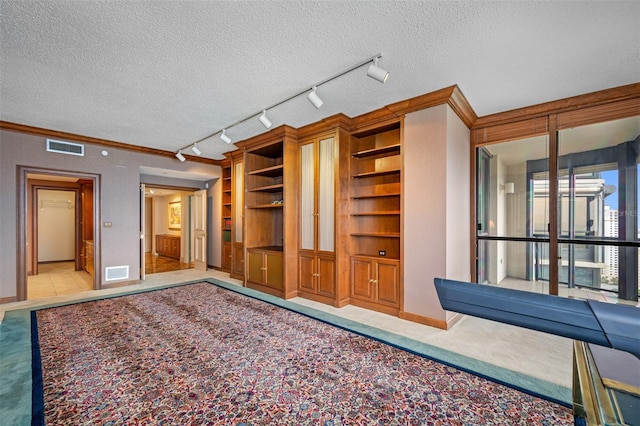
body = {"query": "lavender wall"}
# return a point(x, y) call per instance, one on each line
point(436, 207)
point(119, 191)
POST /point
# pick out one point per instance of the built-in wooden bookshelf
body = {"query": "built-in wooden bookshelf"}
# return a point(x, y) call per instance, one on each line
point(227, 220)
point(270, 172)
point(375, 219)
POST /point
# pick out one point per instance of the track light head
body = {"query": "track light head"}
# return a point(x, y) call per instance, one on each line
point(314, 98)
point(180, 157)
point(224, 136)
point(264, 120)
point(377, 73)
point(195, 149)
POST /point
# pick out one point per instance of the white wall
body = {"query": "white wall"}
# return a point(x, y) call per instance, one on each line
point(436, 210)
point(56, 225)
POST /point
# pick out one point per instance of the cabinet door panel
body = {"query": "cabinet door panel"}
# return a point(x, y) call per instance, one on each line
point(273, 263)
point(226, 256)
point(360, 278)
point(306, 279)
point(307, 197)
point(238, 259)
point(326, 277)
point(256, 274)
point(387, 287)
point(326, 195)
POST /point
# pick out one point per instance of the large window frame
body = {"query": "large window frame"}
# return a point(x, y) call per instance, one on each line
point(549, 119)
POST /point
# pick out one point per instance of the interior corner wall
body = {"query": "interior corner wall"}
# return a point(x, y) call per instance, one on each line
point(436, 208)
point(424, 196)
point(119, 173)
point(458, 210)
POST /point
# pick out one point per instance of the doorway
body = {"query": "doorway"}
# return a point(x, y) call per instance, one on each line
point(56, 214)
point(166, 243)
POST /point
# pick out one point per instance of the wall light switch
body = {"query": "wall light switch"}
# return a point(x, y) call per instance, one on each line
point(107, 224)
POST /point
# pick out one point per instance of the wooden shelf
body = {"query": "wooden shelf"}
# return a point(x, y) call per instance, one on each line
point(363, 197)
point(272, 171)
point(268, 188)
point(390, 149)
point(266, 206)
point(378, 213)
point(374, 174)
point(376, 234)
point(376, 257)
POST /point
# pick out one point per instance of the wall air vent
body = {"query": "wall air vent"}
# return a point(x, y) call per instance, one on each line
point(65, 147)
point(113, 273)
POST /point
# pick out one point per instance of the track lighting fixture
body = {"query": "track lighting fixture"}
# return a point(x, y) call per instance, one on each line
point(264, 120)
point(314, 98)
point(224, 136)
point(374, 71)
point(377, 73)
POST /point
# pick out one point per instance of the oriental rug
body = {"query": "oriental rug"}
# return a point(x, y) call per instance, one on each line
point(200, 354)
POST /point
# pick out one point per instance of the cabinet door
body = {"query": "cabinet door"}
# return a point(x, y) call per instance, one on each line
point(361, 281)
point(326, 276)
point(388, 276)
point(307, 197)
point(226, 256)
point(238, 259)
point(255, 269)
point(326, 195)
point(306, 279)
point(273, 263)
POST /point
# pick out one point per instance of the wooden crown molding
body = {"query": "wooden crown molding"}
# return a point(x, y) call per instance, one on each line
point(615, 94)
point(39, 131)
point(451, 96)
point(280, 132)
point(329, 123)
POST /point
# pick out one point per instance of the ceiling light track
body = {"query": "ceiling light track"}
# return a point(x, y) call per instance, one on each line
point(374, 71)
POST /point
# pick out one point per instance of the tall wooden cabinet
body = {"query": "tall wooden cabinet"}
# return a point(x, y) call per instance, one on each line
point(316, 269)
point(320, 219)
point(271, 225)
point(226, 215)
point(233, 214)
point(375, 219)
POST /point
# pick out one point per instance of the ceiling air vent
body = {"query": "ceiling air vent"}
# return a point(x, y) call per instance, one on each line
point(65, 147)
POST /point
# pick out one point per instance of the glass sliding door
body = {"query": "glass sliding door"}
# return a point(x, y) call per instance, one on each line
point(598, 207)
point(512, 213)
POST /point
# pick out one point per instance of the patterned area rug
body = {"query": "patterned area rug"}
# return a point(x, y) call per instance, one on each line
point(201, 354)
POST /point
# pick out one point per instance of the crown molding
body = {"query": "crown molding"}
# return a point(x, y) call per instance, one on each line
point(592, 99)
point(39, 131)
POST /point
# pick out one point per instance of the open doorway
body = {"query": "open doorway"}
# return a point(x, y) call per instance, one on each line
point(166, 242)
point(56, 225)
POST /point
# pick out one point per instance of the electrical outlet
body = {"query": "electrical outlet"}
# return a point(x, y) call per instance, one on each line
point(382, 253)
point(107, 224)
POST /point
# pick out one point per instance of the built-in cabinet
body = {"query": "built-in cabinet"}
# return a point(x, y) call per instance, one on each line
point(233, 214)
point(168, 245)
point(270, 220)
point(317, 262)
point(375, 219)
point(265, 267)
point(226, 216)
point(237, 212)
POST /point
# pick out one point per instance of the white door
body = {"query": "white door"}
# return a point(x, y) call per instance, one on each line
point(200, 230)
point(142, 232)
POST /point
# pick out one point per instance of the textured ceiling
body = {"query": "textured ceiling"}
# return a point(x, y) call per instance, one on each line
point(165, 74)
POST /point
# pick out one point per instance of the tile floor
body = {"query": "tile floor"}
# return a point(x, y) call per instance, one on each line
point(539, 355)
point(57, 279)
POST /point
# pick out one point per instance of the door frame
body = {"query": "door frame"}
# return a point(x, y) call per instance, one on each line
point(21, 228)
